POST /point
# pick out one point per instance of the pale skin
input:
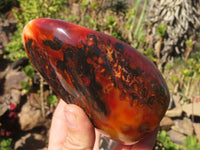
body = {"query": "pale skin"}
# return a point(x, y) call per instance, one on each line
point(71, 129)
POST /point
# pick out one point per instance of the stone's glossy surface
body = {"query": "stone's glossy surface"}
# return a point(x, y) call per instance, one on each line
point(121, 91)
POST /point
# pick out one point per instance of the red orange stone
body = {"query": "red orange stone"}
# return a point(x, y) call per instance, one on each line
point(121, 90)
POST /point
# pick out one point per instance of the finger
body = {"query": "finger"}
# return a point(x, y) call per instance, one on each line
point(97, 139)
point(58, 128)
point(146, 143)
point(80, 131)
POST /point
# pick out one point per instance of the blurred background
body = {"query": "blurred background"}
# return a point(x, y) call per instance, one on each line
point(166, 31)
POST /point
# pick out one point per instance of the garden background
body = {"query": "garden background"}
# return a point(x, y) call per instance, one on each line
point(166, 31)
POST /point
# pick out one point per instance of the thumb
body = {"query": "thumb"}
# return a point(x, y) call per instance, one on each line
point(80, 131)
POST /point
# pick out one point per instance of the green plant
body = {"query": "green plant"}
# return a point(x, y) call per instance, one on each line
point(26, 87)
point(189, 43)
point(135, 29)
point(89, 21)
point(190, 77)
point(189, 47)
point(111, 23)
point(6, 144)
point(31, 10)
point(191, 143)
point(84, 3)
point(52, 99)
point(174, 79)
point(134, 23)
point(161, 29)
point(29, 71)
point(163, 142)
point(184, 76)
point(95, 5)
point(149, 52)
point(139, 26)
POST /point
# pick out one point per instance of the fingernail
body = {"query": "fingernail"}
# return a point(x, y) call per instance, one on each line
point(71, 118)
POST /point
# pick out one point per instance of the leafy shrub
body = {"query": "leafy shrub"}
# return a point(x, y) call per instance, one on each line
point(29, 71)
point(52, 99)
point(186, 80)
point(26, 87)
point(5, 144)
point(163, 142)
point(161, 30)
point(31, 10)
point(191, 143)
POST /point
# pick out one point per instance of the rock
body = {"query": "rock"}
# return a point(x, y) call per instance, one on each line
point(176, 112)
point(174, 101)
point(30, 141)
point(183, 126)
point(13, 79)
point(189, 109)
point(22, 62)
point(177, 109)
point(176, 137)
point(166, 123)
point(3, 108)
point(12, 96)
point(192, 109)
point(4, 39)
point(4, 103)
point(177, 99)
point(35, 99)
point(171, 103)
point(7, 28)
point(30, 117)
point(15, 96)
point(197, 129)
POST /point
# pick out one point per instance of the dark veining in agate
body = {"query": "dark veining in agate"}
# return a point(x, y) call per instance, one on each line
point(56, 44)
point(75, 62)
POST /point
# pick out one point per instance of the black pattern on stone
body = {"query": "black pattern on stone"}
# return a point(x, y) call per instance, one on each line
point(56, 44)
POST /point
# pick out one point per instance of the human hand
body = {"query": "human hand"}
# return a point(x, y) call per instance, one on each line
point(71, 129)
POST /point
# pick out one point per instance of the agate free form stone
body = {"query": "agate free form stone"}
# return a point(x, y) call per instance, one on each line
point(121, 90)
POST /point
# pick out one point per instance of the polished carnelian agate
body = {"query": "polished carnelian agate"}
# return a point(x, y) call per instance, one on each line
point(121, 90)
